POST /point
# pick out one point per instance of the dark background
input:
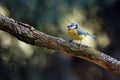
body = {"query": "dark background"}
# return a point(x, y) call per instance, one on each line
point(20, 61)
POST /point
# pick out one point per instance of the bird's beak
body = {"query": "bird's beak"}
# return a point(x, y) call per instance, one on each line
point(68, 27)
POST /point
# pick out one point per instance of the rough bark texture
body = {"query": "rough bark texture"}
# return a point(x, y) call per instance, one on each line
point(30, 35)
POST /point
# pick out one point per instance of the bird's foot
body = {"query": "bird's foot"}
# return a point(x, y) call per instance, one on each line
point(71, 40)
point(79, 45)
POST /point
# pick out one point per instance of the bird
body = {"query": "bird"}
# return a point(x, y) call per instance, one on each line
point(76, 34)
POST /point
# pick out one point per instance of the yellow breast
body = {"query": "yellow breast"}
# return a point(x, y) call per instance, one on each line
point(73, 33)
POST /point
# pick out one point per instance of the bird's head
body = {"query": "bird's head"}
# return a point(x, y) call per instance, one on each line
point(72, 26)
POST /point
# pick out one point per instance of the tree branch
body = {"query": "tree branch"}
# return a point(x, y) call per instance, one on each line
point(30, 35)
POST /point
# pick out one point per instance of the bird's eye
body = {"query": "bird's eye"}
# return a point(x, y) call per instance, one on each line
point(76, 26)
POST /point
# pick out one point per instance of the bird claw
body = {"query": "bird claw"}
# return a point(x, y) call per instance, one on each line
point(79, 45)
point(71, 40)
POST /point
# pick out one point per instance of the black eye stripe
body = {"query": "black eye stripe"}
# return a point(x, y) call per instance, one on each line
point(73, 25)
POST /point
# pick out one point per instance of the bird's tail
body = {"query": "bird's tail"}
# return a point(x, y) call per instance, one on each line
point(91, 35)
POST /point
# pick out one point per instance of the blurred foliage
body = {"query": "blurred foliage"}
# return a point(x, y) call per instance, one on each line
point(20, 61)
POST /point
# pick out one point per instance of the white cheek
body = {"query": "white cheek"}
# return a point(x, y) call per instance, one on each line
point(73, 27)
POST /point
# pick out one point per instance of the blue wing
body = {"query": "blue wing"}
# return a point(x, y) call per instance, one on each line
point(85, 33)
point(81, 32)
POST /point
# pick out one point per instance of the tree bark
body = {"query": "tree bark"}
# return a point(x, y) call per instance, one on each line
point(30, 35)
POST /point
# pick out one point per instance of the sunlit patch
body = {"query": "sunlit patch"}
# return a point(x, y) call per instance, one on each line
point(103, 40)
point(5, 39)
point(26, 48)
point(4, 10)
point(89, 41)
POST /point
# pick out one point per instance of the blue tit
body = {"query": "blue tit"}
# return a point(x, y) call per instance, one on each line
point(77, 34)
